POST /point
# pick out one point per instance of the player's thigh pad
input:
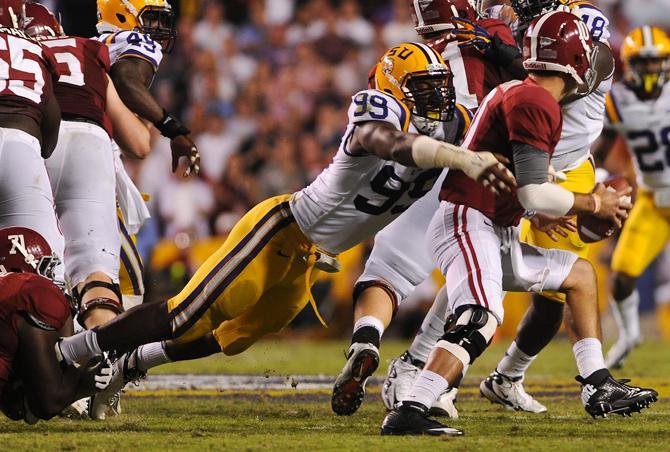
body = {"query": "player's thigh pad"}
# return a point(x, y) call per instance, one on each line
point(263, 249)
point(276, 308)
point(467, 249)
point(25, 193)
point(643, 237)
point(82, 175)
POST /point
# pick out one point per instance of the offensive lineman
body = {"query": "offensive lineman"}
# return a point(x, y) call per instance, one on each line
point(29, 123)
point(260, 279)
point(638, 108)
point(81, 169)
point(33, 313)
point(478, 249)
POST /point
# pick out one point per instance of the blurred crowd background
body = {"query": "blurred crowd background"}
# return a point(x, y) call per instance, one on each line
point(264, 85)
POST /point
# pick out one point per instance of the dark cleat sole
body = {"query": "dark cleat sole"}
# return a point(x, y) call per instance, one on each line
point(348, 395)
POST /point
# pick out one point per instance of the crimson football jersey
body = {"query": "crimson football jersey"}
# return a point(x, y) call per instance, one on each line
point(474, 74)
point(25, 75)
point(38, 300)
point(81, 89)
point(515, 111)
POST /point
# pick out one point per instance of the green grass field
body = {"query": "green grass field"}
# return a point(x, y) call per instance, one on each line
point(300, 419)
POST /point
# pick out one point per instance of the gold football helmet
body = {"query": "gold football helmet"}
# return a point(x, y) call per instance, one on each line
point(645, 54)
point(416, 75)
point(151, 17)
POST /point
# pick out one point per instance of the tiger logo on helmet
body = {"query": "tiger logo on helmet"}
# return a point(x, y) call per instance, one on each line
point(645, 54)
point(416, 75)
point(151, 17)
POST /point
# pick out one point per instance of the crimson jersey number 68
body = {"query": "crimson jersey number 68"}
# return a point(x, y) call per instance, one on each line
point(20, 71)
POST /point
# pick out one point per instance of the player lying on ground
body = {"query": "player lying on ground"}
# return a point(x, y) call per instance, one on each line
point(478, 248)
point(260, 279)
point(33, 314)
point(397, 265)
point(582, 122)
point(638, 108)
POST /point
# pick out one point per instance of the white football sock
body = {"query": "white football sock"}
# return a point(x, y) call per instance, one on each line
point(432, 328)
point(427, 387)
point(372, 321)
point(81, 347)
point(589, 356)
point(151, 355)
point(515, 362)
point(627, 317)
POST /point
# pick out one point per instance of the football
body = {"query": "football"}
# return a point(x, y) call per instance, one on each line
point(593, 229)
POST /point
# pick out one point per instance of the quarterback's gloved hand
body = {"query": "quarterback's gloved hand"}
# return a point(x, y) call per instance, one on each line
point(469, 34)
point(104, 375)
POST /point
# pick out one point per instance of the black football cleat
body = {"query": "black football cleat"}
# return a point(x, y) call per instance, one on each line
point(412, 419)
point(615, 397)
point(349, 388)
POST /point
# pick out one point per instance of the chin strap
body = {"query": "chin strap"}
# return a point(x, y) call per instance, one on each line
point(99, 302)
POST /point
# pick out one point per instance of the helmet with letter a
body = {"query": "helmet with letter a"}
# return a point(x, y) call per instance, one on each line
point(560, 42)
point(25, 250)
point(645, 54)
point(12, 14)
point(432, 16)
point(151, 17)
point(416, 75)
point(41, 23)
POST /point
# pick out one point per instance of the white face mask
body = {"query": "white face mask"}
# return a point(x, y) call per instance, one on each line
point(424, 125)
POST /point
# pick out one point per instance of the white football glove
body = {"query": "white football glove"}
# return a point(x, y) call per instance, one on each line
point(104, 375)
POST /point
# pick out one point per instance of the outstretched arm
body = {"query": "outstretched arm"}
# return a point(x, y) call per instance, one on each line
point(132, 77)
point(386, 142)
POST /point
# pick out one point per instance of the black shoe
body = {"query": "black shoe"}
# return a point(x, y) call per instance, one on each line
point(349, 388)
point(412, 419)
point(615, 396)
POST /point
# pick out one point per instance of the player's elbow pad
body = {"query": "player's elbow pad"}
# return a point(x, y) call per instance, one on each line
point(546, 198)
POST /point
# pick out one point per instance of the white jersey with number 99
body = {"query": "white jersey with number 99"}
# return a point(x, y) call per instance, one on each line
point(358, 195)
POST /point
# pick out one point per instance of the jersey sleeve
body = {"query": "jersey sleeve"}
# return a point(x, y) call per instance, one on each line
point(594, 19)
point(132, 44)
point(45, 304)
point(374, 105)
point(535, 121)
point(101, 53)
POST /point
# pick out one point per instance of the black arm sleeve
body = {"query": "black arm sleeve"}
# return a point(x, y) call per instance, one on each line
point(505, 56)
point(530, 164)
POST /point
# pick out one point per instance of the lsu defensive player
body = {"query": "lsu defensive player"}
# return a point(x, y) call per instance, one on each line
point(638, 108)
point(396, 265)
point(582, 123)
point(137, 33)
point(260, 279)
